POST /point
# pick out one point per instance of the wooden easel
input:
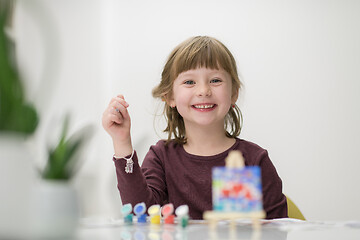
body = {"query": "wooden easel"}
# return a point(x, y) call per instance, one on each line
point(235, 159)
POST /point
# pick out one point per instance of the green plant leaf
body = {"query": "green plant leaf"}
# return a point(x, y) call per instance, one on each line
point(61, 164)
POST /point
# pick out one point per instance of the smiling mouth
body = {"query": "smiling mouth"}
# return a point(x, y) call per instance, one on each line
point(204, 106)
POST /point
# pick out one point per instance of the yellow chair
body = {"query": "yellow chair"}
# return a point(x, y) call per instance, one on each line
point(293, 210)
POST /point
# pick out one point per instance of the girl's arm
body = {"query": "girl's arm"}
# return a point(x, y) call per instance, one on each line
point(133, 186)
point(274, 200)
point(146, 184)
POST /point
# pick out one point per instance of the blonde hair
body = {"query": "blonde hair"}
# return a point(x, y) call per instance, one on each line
point(197, 52)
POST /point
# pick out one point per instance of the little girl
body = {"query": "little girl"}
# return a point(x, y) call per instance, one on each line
point(200, 87)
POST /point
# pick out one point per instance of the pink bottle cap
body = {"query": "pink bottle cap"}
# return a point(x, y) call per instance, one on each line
point(167, 209)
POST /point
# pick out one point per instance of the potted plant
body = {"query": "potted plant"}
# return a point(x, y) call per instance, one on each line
point(49, 209)
point(62, 163)
point(55, 202)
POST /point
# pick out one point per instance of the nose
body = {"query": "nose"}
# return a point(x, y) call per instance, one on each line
point(204, 90)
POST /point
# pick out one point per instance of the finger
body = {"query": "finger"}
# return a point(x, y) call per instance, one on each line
point(120, 111)
point(116, 119)
point(119, 100)
point(115, 111)
point(119, 107)
point(112, 112)
point(120, 117)
point(109, 120)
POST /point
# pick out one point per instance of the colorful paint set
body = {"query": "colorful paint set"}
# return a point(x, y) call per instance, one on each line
point(155, 214)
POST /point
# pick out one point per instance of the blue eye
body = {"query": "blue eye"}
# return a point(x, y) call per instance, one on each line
point(215, 80)
point(189, 82)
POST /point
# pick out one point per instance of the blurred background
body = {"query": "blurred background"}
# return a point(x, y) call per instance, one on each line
point(299, 62)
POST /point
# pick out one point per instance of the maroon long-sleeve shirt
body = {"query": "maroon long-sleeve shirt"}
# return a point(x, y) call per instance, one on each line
point(171, 175)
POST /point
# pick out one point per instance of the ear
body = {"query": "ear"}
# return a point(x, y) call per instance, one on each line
point(235, 96)
point(168, 98)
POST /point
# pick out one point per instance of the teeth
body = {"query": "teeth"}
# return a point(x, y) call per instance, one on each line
point(203, 106)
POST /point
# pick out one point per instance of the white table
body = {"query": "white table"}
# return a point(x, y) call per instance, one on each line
point(281, 229)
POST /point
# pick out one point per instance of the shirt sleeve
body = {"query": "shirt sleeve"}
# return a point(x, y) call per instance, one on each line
point(274, 200)
point(142, 185)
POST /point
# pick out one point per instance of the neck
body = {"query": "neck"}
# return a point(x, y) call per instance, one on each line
point(207, 141)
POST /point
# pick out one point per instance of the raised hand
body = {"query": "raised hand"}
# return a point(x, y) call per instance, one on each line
point(116, 121)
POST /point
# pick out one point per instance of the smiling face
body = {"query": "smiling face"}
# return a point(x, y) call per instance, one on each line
point(203, 96)
point(189, 57)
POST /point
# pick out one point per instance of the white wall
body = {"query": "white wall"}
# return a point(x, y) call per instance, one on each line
point(299, 61)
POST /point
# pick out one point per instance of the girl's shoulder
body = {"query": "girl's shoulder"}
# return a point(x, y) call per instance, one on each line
point(164, 151)
point(248, 145)
point(164, 146)
point(251, 151)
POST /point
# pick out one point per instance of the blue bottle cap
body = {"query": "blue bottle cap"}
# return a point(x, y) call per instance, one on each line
point(140, 209)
